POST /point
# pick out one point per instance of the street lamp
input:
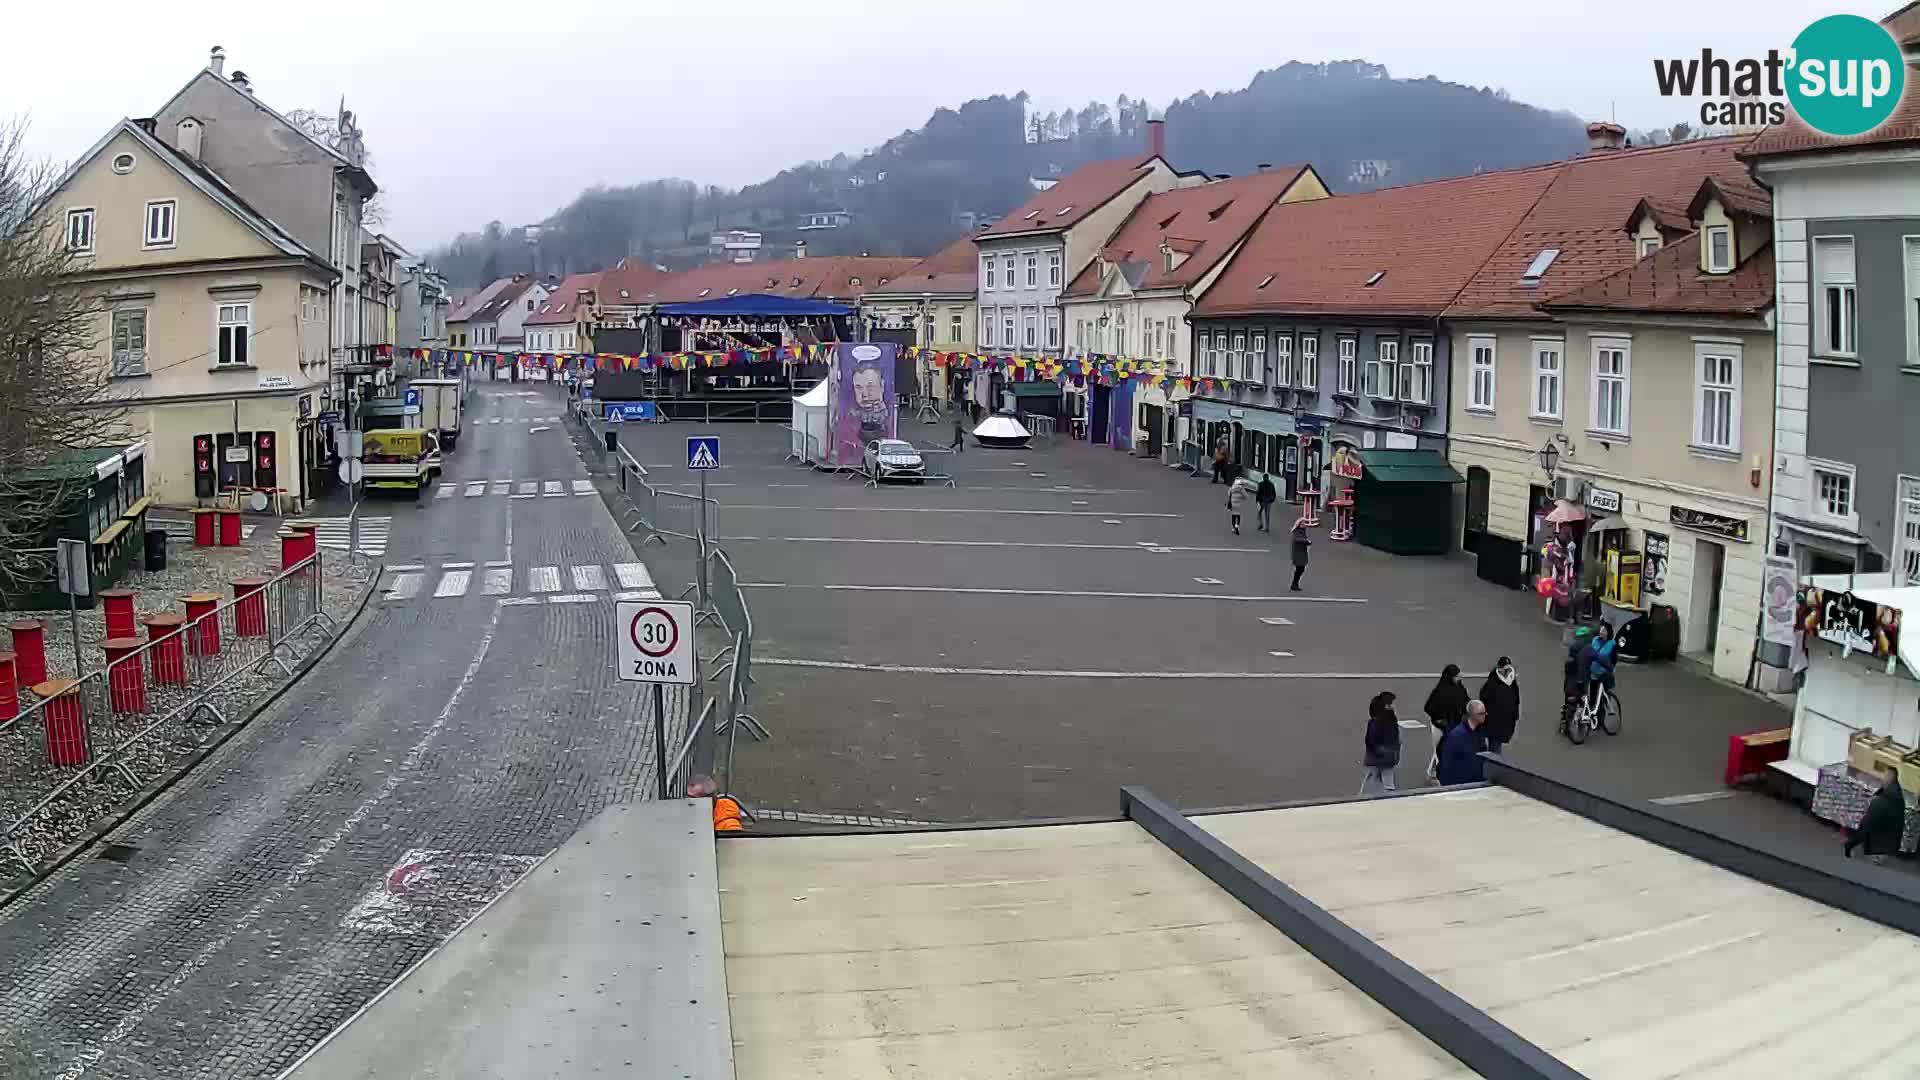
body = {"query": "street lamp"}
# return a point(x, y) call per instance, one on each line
point(1549, 457)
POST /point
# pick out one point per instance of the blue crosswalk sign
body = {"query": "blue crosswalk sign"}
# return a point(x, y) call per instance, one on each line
point(703, 451)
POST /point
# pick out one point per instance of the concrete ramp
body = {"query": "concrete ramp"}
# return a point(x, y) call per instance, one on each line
point(605, 960)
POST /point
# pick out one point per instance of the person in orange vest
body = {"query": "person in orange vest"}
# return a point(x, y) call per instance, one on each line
point(726, 809)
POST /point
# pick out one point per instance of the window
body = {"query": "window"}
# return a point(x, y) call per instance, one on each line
point(1834, 295)
point(1283, 360)
point(1006, 329)
point(1348, 377)
point(1210, 345)
point(1310, 362)
point(1053, 328)
point(1053, 269)
point(1716, 409)
point(1234, 350)
point(986, 328)
point(1913, 301)
point(234, 328)
point(1006, 268)
point(1832, 491)
point(955, 323)
point(123, 163)
point(986, 268)
point(1612, 389)
point(1380, 370)
point(80, 231)
point(1119, 338)
point(1537, 269)
point(1257, 359)
point(1719, 249)
point(160, 214)
point(1416, 379)
point(1645, 246)
point(1033, 270)
point(1546, 379)
point(1481, 373)
point(1906, 533)
point(130, 341)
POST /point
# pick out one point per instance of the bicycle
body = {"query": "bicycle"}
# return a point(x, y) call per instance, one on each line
point(1597, 709)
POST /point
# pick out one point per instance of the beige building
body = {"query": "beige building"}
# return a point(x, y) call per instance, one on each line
point(932, 306)
point(1654, 387)
point(214, 320)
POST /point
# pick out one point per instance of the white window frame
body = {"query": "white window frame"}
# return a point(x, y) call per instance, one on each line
point(1235, 350)
point(82, 216)
point(1910, 258)
point(1210, 349)
point(1006, 268)
point(986, 274)
point(1257, 357)
point(1033, 270)
point(1536, 408)
point(1007, 329)
point(222, 324)
point(1600, 380)
point(1053, 328)
point(1382, 368)
point(130, 361)
point(1711, 234)
point(1030, 322)
point(151, 242)
point(1845, 286)
point(987, 317)
point(1053, 269)
point(1283, 360)
point(1309, 368)
point(956, 326)
point(1348, 348)
point(1416, 375)
point(1483, 373)
point(1703, 353)
point(1906, 528)
point(1817, 507)
point(1645, 245)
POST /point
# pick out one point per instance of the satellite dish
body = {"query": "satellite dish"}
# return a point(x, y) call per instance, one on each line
point(257, 501)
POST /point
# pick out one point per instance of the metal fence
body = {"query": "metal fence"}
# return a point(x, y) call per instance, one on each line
point(168, 694)
point(1193, 457)
point(1041, 427)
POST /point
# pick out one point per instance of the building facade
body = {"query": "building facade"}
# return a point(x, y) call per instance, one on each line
point(559, 326)
point(931, 305)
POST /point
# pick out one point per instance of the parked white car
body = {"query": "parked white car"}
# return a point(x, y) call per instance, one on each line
point(893, 459)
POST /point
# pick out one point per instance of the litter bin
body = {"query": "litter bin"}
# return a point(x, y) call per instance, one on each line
point(1663, 632)
point(613, 440)
point(156, 549)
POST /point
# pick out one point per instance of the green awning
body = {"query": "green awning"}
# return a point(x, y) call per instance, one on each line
point(1041, 388)
point(1408, 467)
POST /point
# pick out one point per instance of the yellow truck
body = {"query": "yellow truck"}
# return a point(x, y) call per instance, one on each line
point(405, 459)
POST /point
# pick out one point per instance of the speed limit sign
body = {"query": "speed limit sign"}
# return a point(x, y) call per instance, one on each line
point(655, 643)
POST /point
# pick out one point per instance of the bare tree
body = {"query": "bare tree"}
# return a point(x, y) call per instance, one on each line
point(57, 397)
point(326, 131)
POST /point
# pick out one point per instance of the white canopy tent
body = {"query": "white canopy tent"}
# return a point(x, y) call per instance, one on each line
point(810, 426)
point(1002, 432)
point(1847, 687)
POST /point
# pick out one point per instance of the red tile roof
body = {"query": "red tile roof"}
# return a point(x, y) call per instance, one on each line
point(1670, 281)
point(1204, 222)
point(562, 307)
point(1581, 215)
point(477, 299)
point(1078, 194)
point(631, 278)
point(839, 277)
point(1315, 257)
point(1904, 25)
point(953, 269)
point(516, 287)
point(1795, 137)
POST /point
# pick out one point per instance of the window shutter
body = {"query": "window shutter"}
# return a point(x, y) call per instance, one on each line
point(1913, 267)
point(1836, 261)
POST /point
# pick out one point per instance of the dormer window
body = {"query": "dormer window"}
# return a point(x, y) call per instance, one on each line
point(854, 281)
point(1067, 209)
point(1214, 214)
point(1374, 279)
point(1264, 282)
point(1537, 269)
point(1031, 214)
point(1719, 241)
point(704, 292)
point(1645, 245)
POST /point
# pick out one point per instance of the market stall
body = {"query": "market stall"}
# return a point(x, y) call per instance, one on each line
point(1403, 501)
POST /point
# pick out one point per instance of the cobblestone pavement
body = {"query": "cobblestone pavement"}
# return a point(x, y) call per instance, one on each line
point(364, 816)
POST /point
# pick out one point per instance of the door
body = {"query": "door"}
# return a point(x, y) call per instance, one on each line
point(1239, 444)
point(1709, 569)
point(1479, 482)
point(1293, 469)
point(1156, 428)
point(1098, 407)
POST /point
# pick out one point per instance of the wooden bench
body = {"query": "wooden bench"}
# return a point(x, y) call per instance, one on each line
point(1750, 754)
point(140, 507)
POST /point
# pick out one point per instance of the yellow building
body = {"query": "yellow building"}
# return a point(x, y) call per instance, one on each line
point(213, 320)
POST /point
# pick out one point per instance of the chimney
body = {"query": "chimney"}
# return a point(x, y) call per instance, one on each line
point(799, 249)
point(1605, 135)
point(241, 81)
point(1157, 138)
point(217, 63)
point(1264, 166)
point(187, 137)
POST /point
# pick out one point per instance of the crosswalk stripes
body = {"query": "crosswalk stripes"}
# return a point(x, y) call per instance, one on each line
point(513, 489)
point(445, 492)
point(583, 487)
point(476, 487)
point(500, 487)
point(588, 578)
point(404, 586)
point(544, 579)
point(633, 575)
point(585, 583)
point(528, 489)
point(551, 489)
point(497, 582)
point(517, 420)
point(333, 533)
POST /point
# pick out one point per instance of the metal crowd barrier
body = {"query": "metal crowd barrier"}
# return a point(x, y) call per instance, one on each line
point(1193, 457)
point(1040, 427)
point(679, 515)
point(106, 721)
point(939, 465)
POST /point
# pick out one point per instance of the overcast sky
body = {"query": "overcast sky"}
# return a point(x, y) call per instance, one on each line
point(489, 110)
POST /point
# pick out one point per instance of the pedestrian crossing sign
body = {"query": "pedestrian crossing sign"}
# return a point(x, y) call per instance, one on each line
point(703, 451)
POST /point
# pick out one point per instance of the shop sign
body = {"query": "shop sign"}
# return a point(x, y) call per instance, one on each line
point(1346, 463)
point(306, 406)
point(1713, 524)
point(1778, 601)
point(1850, 622)
point(1654, 575)
point(1400, 440)
point(276, 382)
point(1603, 499)
point(1308, 425)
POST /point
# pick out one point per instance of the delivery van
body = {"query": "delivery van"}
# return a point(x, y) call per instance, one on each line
point(440, 409)
point(400, 459)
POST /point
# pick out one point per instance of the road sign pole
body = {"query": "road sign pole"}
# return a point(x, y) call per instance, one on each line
point(73, 558)
point(703, 738)
point(660, 738)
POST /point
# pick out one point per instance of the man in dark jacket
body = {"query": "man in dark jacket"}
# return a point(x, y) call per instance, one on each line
point(1460, 748)
point(959, 443)
point(1263, 498)
point(1381, 751)
point(1501, 695)
point(1881, 826)
point(1301, 542)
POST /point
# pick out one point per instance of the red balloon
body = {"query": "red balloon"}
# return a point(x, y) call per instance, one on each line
point(1544, 586)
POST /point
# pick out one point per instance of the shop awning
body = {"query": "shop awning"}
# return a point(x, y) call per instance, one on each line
point(1408, 467)
point(1041, 388)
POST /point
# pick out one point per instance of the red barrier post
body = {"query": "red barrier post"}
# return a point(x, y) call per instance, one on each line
point(118, 604)
point(169, 650)
point(9, 688)
point(126, 680)
point(65, 721)
point(309, 540)
point(291, 544)
point(250, 607)
point(30, 651)
point(229, 528)
point(205, 523)
point(203, 626)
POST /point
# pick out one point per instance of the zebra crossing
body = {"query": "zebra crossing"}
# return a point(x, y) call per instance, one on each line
point(576, 583)
point(514, 420)
point(512, 489)
point(334, 533)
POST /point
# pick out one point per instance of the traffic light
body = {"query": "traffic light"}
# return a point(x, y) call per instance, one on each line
point(203, 474)
point(264, 473)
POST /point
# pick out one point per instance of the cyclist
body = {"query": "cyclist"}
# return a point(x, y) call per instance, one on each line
point(1601, 658)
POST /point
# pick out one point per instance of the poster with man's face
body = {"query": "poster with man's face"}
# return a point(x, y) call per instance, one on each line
point(863, 398)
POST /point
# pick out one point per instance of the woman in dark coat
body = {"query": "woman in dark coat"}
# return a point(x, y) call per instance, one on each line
point(1301, 542)
point(1381, 751)
point(1881, 826)
point(1501, 695)
point(1446, 706)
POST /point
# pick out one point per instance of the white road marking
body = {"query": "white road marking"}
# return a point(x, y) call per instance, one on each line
point(1039, 673)
point(453, 583)
point(572, 598)
point(1094, 594)
point(544, 579)
point(951, 510)
point(1079, 502)
point(638, 594)
point(398, 567)
point(1164, 550)
point(477, 487)
point(529, 487)
point(498, 582)
point(499, 562)
point(1112, 521)
point(588, 578)
point(501, 487)
point(536, 430)
point(1697, 797)
point(633, 575)
point(403, 587)
point(583, 487)
point(551, 489)
point(1276, 620)
point(1208, 581)
point(456, 566)
point(980, 543)
point(1281, 653)
point(519, 601)
point(445, 492)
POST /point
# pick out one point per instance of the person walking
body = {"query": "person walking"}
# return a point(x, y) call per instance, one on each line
point(1263, 498)
point(1458, 760)
point(1881, 826)
point(1501, 695)
point(1221, 473)
point(1301, 542)
point(1381, 751)
point(1237, 492)
point(1446, 707)
point(959, 443)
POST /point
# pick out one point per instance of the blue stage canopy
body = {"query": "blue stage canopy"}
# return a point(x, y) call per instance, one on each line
point(763, 304)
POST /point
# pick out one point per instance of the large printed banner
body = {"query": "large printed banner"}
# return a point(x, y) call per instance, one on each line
point(864, 405)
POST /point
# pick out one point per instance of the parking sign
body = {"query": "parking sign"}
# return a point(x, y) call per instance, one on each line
point(703, 451)
point(656, 641)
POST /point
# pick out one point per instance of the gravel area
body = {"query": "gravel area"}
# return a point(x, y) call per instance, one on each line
point(27, 777)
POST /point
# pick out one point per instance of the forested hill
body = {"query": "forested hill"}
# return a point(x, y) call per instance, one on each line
point(1356, 124)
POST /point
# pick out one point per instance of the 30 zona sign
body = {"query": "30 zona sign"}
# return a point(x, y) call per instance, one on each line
point(656, 642)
